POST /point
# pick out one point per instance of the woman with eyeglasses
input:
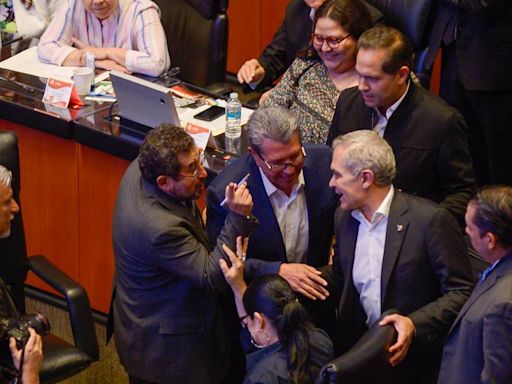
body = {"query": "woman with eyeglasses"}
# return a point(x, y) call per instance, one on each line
point(312, 84)
point(286, 347)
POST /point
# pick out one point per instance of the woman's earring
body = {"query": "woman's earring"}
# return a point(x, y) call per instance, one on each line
point(255, 344)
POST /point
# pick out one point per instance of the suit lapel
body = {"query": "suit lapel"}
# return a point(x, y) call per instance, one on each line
point(395, 235)
point(181, 210)
point(264, 212)
point(500, 270)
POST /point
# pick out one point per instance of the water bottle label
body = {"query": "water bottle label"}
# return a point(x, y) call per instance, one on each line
point(233, 114)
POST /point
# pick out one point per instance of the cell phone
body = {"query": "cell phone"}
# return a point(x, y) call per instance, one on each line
point(210, 114)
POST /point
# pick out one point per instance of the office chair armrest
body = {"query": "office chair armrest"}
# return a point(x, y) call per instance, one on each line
point(367, 357)
point(82, 324)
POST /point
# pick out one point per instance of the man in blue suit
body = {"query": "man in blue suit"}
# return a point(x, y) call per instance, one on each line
point(479, 344)
point(292, 201)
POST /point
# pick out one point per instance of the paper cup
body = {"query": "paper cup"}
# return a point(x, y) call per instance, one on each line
point(83, 78)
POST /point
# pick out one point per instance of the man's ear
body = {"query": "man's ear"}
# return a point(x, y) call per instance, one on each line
point(367, 178)
point(166, 184)
point(403, 74)
point(492, 241)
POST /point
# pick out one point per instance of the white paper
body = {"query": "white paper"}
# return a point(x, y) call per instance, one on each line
point(28, 62)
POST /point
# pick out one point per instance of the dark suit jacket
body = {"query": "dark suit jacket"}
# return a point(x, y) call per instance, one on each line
point(483, 42)
point(425, 275)
point(429, 143)
point(293, 36)
point(266, 247)
point(167, 324)
point(479, 345)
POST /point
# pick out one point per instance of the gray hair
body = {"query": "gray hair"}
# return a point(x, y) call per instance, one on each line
point(367, 150)
point(274, 123)
point(493, 212)
point(5, 176)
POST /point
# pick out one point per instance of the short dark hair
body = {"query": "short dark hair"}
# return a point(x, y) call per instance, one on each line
point(493, 212)
point(399, 51)
point(158, 154)
point(351, 15)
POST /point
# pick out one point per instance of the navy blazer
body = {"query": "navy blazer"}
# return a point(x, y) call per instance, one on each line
point(479, 345)
point(425, 275)
point(266, 247)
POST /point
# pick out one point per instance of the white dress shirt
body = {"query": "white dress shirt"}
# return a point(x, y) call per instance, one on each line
point(382, 122)
point(368, 255)
point(292, 216)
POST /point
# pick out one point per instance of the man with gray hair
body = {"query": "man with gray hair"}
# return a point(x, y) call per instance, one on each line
point(8, 206)
point(393, 250)
point(288, 182)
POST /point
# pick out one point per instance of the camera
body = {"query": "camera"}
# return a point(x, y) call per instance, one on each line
point(18, 329)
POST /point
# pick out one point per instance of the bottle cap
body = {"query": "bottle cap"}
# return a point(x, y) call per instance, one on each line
point(233, 95)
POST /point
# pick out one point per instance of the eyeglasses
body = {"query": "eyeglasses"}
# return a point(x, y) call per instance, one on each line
point(279, 167)
point(200, 160)
point(332, 42)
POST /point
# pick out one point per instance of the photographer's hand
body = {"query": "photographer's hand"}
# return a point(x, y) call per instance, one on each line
point(32, 360)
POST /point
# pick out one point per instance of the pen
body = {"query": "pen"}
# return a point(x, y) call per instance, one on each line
point(244, 179)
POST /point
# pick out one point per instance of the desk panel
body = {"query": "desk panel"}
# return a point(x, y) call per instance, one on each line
point(49, 196)
point(100, 175)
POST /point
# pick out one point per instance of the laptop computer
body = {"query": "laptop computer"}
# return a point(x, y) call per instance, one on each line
point(143, 101)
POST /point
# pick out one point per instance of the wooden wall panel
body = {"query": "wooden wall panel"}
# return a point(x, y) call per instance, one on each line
point(49, 197)
point(100, 175)
point(252, 23)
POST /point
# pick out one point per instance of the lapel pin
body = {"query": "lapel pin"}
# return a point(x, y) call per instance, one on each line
point(399, 227)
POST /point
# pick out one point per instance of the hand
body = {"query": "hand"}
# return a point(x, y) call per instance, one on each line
point(32, 360)
point(110, 65)
point(406, 330)
point(264, 96)
point(305, 280)
point(234, 274)
point(250, 72)
point(239, 199)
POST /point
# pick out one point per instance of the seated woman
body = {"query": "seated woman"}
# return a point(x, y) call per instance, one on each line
point(312, 84)
point(287, 347)
point(125, 35)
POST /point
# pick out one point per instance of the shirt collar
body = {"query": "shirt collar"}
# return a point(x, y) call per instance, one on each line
point(394, 106)
point(381, 212)
point(312, 14)
point(270, 188)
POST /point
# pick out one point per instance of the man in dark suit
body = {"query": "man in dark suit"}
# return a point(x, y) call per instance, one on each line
point(427, 136)
point(292, 202)
point(393, 250)
point(476, 37)
point(292, 36)
point(33, 355)
point(479, 345)
point(167, 322)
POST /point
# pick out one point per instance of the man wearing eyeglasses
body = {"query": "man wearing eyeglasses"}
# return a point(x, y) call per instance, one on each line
point(167, 317)
point(427, 136)
point(292, 201)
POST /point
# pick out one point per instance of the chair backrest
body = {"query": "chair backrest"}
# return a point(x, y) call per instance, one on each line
point(13, 253)
point(413, 18)
point(197, 37)
point(61, 359)
point(366, 361)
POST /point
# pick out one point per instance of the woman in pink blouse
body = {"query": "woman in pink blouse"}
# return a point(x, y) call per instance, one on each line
point(125, 35)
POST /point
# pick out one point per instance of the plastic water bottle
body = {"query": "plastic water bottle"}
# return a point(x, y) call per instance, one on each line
point(233, 116)
point(90, 63)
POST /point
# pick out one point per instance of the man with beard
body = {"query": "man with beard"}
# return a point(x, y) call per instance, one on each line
point(166, 313)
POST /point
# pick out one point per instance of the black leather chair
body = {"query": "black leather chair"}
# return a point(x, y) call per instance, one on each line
point(366, 362)
point(197, 37)
point(414, 18)
point(61, 359)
